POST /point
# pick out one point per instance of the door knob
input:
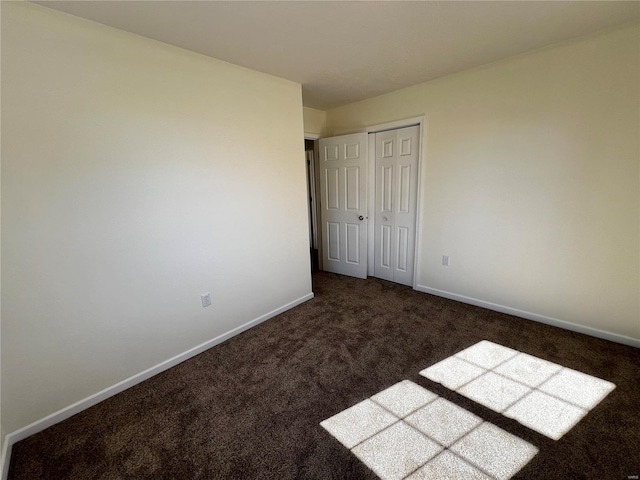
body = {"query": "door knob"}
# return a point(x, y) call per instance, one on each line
point(360, 218)
point(385, 219)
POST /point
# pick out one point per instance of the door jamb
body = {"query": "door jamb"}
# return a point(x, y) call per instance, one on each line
point(371, 203)
point(316, 155)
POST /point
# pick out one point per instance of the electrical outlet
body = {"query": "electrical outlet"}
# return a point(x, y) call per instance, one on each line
point(206, 299)
point(445, 260)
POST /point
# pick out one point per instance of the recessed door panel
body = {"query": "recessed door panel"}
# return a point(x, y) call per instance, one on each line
point(404, 188)
point(332, 200)
point(402, 249)
point(353, 243)
point(385, 246)
point(405, 146)
point(387, 149)
point(333, 250)
point(352, 186)
point(331, 152)
point(351, 151)
point(386, 189)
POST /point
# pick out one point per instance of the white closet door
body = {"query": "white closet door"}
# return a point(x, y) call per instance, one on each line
point(343, 186)
point(384, 221)
point(396, 198)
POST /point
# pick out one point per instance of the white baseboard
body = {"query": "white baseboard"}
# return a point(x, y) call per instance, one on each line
point(574, 327)
point(6, 454)
point(56, 417)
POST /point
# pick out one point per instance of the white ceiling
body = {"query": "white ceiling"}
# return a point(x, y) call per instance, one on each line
point(342, 52)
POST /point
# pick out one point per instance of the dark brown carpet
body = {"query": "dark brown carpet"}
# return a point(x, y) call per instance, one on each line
point(251, 407)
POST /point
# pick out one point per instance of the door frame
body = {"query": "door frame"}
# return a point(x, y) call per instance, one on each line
point(371, 187)
point(316, 153)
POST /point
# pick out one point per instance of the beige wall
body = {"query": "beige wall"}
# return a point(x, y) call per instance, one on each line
point(531, 180)
point(135, 176)
point(315, 121)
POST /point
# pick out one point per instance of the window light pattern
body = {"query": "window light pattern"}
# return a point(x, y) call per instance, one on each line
point(541, 395)
point(406, 431)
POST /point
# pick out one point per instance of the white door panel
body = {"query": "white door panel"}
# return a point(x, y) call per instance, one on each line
point(353, 244)
point(403, 249)
point(395, 211)
point(333, 243)
point(385, 174)
point(332, 200)
point(343, 166)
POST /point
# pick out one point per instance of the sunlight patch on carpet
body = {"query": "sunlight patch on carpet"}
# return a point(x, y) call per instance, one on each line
point(403, 398)
point(358, 423)
point(407, 431)
point(541, 395)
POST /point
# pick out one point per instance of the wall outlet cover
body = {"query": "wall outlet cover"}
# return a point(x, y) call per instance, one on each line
point(206, 299)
